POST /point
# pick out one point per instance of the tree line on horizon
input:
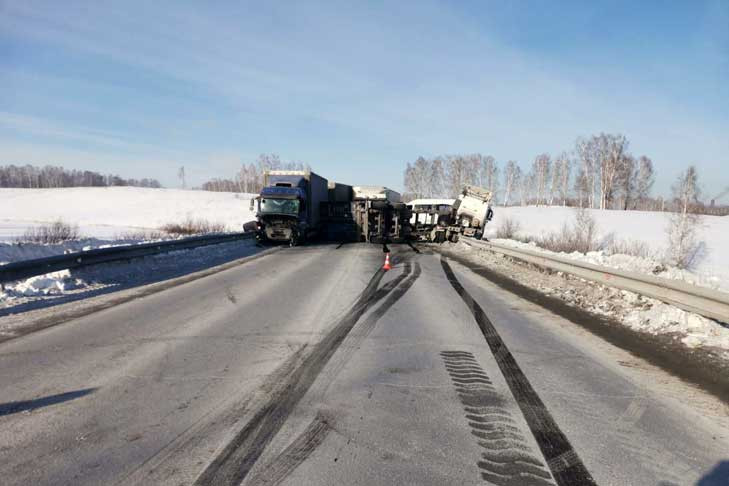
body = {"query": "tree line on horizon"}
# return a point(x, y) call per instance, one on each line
point(51, 177)
point(599, 172)
point(249, 178)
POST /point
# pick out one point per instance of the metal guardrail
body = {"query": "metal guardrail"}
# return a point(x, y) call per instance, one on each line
point(700, 300)
point(40, 266)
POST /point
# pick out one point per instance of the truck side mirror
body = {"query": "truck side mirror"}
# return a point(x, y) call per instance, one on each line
point(253, 204)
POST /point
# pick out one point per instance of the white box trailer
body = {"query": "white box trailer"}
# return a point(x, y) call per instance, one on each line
point(375, 193)
point(379, 215)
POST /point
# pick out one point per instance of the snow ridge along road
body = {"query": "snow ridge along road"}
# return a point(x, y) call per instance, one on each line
point(700, 300)
point(40, 266)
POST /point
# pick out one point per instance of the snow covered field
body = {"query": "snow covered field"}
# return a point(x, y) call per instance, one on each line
point(711, 269)
point(106, 212)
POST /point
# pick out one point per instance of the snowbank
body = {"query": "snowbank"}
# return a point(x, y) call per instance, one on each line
point(631, 264)
point(69, 285)
point(106, 212)
point(711, 270)
point(13, 252)
point(640, 313)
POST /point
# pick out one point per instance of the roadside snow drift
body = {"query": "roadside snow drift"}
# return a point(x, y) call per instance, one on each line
point(640, 313)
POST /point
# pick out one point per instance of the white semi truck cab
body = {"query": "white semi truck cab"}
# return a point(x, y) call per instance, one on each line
point(473, 210)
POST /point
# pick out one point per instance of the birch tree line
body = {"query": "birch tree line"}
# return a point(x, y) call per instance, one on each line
point(599, 172)
point(51, 177)
point(249, 178)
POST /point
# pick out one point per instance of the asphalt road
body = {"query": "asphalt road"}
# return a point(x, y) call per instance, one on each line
point(313, 366)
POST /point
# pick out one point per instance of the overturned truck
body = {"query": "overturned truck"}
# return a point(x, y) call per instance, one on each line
point(379, 216)
point(440, 220)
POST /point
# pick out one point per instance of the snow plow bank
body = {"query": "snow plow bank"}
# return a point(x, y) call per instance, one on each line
point(440, 220)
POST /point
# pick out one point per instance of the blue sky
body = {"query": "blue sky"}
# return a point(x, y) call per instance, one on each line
point(358, 89)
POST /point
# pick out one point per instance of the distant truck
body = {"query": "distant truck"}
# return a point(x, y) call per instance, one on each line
point(289, 206)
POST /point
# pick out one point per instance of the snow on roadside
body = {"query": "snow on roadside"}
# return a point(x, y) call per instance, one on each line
point(646, 227)
point(67, 285)
point(55, 283)
point(631, 264)
point(640, 313)
point(14, 252)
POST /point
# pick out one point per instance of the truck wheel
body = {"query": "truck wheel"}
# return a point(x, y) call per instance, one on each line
point(294, 240)
point(454, 238)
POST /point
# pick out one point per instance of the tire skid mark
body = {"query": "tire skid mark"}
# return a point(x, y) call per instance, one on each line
point(507, 459)
point(566, 466)
point(393, 290)
point(295, 453)
point(235, 461)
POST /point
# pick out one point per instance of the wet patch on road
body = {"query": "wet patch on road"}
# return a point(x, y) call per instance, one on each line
point(507, 458)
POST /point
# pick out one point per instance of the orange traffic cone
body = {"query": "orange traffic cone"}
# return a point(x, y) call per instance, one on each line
point(387, 266)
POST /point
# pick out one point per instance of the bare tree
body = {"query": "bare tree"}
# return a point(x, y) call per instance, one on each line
point(684, 221)
point(626, 180)
point(475, 169)
point(643, 181)
point(582, 188)
point(612, 155)
point(457, 173)
point(555, 179)
point(437, 177)
point(565, 167)
point(181, 176)
point(510, 182)
point(586, 150)
point(540, 172)
point(526, 187)
point(268, 162)
point(491, 173)
point(421, 174)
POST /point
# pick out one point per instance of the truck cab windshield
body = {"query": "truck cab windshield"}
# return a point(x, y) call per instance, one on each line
point(280, 206)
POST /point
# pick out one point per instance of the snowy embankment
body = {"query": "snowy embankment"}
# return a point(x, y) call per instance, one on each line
point(71, 285)
point(642, 314)
point(710, 270)
point(637, 312)
point(106, 215)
